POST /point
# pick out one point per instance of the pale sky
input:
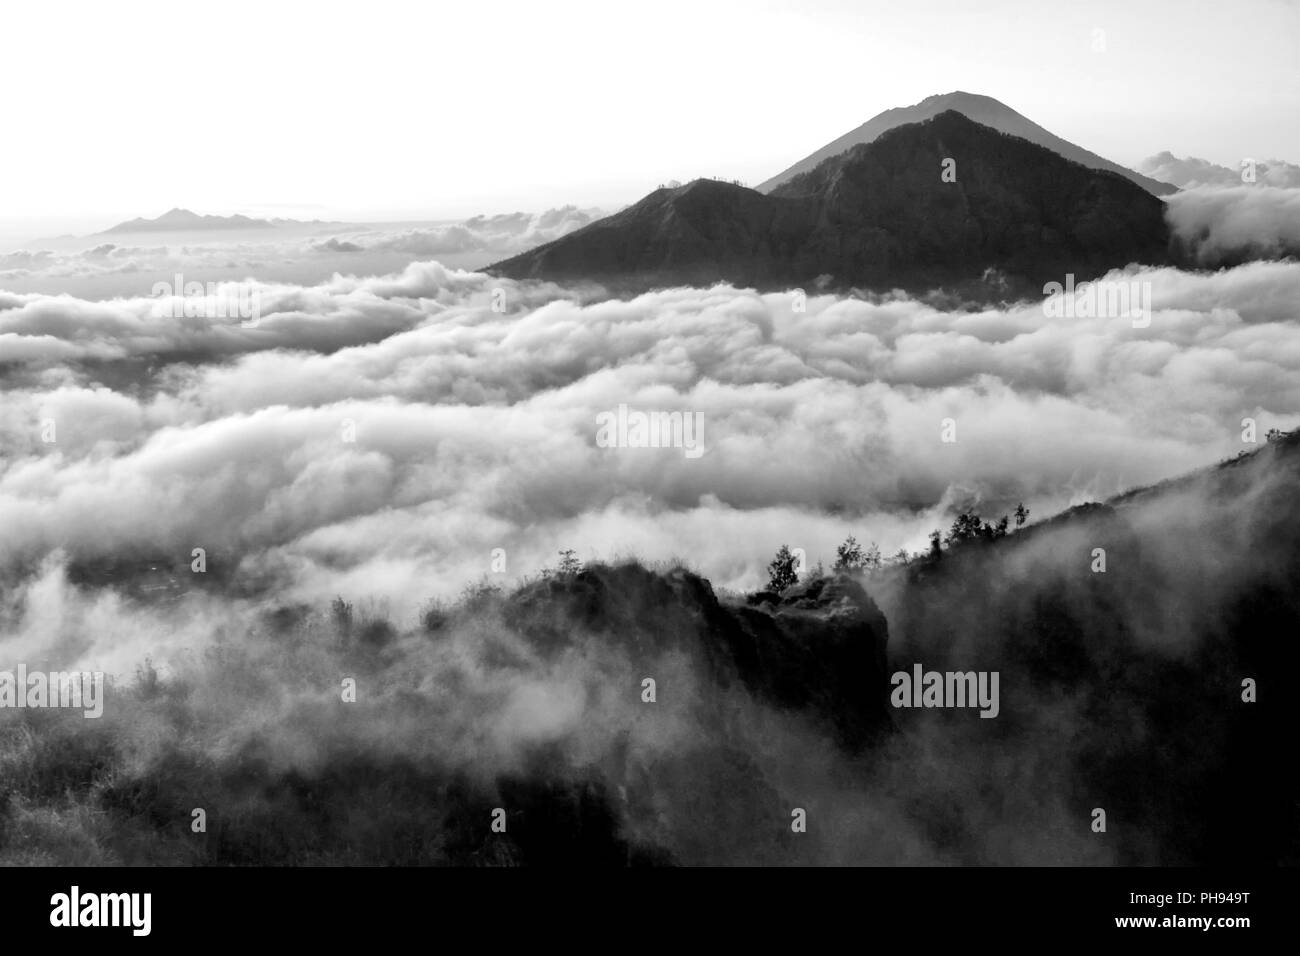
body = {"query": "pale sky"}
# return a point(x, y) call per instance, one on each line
point(388, 109)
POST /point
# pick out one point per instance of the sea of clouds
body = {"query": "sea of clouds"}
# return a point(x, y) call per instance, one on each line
point(109, 266)
point(380, 437)
point(1193, 172)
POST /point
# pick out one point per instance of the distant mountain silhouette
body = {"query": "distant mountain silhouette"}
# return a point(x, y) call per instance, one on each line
point(182, 220)
point(982, 109)
point(877, 216)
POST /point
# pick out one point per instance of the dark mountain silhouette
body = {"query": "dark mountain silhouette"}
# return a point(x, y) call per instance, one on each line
point(1144, 662)
point(1121, 690)
point(182, 220)
point(879, 216)
point(808, 648)
point(982, 109)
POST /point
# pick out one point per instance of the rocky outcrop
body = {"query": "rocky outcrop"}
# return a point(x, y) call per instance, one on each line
point(818, 647)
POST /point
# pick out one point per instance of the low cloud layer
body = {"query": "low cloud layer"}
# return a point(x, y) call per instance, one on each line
point(1192, 172)
point(501, 236)
point(397, 438)
point(380, 437)
point(103, 267)
point(1229, 226)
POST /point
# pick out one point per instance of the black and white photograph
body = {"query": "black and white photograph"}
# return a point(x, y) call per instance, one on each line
point(721, 435)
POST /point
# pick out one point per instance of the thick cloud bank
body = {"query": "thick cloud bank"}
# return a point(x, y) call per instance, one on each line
point(382, 436)
point(195, 490)
point(1193, 172)
point(1232, 225)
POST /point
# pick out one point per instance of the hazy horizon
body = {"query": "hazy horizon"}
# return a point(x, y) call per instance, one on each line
point(244, 136)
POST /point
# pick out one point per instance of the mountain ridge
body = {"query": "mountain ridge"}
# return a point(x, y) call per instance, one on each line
point(1122, 690)
point(183, 220)
point(974, 106)
point(880, 216)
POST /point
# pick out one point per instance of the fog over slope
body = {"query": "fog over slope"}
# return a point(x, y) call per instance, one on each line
point(392, 439)
point(1120, 691)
